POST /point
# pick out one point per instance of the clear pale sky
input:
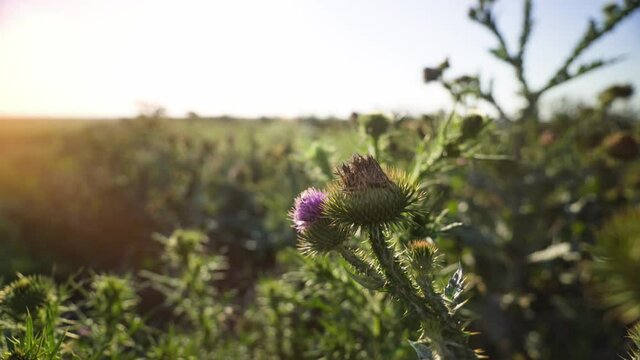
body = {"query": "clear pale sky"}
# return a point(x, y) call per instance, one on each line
point(99, 58)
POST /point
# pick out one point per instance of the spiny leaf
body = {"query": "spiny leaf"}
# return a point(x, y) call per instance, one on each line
point(455, 286)
point(423, 351)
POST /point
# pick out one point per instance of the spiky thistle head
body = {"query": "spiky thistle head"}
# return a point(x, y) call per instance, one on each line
point(316, 232)
point(366, 196)
point(423, 253)
point(27, 294)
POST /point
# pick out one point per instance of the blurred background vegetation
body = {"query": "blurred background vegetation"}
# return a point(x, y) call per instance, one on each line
point(549, 235)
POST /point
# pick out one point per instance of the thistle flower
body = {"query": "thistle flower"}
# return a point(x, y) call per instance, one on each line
point(307, 208)
point(367, 196)
point(317, 233)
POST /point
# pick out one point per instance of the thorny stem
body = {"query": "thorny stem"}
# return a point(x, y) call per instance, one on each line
point(360, 264)
point(430, 311)
point(564, 73)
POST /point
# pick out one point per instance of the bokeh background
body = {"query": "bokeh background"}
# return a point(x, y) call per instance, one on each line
point(121, 121)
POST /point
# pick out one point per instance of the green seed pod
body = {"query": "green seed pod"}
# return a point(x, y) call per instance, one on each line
point(366, 196)
point(26, 294)
point(322, 236)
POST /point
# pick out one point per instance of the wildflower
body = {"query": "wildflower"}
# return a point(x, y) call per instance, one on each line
point(307, 208)
point(317, 233)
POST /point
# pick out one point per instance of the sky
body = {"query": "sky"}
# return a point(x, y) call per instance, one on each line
point(103, 58)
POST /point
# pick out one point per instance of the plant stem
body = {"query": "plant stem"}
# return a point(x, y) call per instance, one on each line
point(449, 341)
point(360, 264)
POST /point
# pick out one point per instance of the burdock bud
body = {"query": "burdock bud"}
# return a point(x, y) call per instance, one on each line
point(366, 196)
point(621, 145)
point(317, 234)
point(26, 294)
point(375, 125)
point(471, 126)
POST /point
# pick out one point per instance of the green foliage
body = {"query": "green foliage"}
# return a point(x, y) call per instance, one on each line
point(382, 207)
point(483, 13)
point(617, 265)
point(33, 345)
point(634, 335)
point(318, 311)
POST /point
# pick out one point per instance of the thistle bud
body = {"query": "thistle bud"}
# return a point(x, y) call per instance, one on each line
point(183, 244)
point(621, 146)
point(322, 237)
point(471, 126)
point(26, 294)
point(611, 11)
point(423, 254)
point(112, 296)
point(366, 196)
point(431, 74)
point(609, 95)
point(375, 125)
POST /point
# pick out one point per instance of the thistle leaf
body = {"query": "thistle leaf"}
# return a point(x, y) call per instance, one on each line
point(367, 281)
point(423, 351)
point(455, 286)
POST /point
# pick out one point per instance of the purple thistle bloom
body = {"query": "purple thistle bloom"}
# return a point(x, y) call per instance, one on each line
point(307, 208)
